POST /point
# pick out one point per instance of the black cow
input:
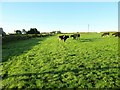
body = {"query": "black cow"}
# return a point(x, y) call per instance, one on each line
point(105, 34)
point(64, 37)
point(75, 36)
point(116, 34)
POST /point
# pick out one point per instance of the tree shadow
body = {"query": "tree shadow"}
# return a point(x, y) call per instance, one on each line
point(89, 40)
point(29, 77)
point(64, 71)
point(16, 48)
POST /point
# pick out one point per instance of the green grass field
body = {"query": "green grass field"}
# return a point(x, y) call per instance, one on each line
point(90, 62)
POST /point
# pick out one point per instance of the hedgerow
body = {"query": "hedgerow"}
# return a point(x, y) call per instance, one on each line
point(11, 38)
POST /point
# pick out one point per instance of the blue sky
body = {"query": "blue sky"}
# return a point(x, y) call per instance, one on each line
point(63, 16)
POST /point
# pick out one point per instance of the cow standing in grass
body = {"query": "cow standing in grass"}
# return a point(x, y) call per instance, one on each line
point(64, 37)
point(105, 34)
point(116, 34)
point(75, 36)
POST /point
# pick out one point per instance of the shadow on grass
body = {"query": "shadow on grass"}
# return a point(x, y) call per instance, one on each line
point(19, 47)
point(34, 76)
point(64, 71)
point(89, 40)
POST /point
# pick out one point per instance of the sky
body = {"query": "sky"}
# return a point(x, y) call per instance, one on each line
point(63, 16)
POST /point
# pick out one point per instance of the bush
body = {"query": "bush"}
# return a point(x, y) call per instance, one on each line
point(11, 38)
point(15, 37)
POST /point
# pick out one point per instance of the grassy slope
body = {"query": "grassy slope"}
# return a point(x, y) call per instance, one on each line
point(89, 62)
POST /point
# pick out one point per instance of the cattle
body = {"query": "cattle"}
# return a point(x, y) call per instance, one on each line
point(64, 37)
point(105, 34)
point(75, 36)
point(116, 34)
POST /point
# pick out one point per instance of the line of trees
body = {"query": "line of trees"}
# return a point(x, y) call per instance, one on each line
point(31, 31)
point(34, 31)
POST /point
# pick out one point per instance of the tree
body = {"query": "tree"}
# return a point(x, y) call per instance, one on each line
point(23, 31)
point(53, 32)
point(33, 31)
point(2, 32)
point(58, 32)
point(18, 32)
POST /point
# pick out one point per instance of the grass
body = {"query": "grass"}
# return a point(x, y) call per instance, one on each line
point(90, 62)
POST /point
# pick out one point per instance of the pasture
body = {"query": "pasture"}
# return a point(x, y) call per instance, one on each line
point(47, 62)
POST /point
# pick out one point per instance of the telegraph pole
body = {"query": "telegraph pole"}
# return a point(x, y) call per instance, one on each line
point(88, 28)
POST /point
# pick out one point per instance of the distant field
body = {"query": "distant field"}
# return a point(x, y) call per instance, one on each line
point(47, 62)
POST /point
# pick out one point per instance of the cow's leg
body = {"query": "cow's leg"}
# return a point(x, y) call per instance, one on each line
point(64, 40)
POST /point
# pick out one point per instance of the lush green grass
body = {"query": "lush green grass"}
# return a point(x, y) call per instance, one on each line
point(90, 62)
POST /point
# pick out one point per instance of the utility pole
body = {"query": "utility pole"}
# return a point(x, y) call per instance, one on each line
point(88, 28)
